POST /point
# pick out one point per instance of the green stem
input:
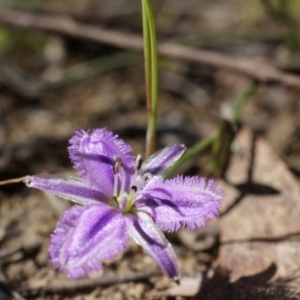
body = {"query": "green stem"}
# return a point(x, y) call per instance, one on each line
point(220, 141)
point(147, 56)
point(241, 103)
point(191, 153)
point(150, 54)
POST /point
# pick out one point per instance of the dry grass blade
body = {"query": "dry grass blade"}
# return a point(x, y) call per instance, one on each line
point(73, 286)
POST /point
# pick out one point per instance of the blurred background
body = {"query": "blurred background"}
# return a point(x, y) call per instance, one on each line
point(67, 65)
point(53, 82)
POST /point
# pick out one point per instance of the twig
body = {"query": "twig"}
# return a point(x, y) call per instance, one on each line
point(65, 25)
point(20, 248)
point(5, 292)
point(86, 284)
point(33, 88)
point(13, 181)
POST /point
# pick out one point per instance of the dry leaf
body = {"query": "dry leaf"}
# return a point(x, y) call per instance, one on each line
point(260, 223)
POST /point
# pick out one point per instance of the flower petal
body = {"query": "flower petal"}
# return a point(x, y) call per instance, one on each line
point(161, 161)
point(180, 202)
point(85, 237)
point(66, 187)
point(92, 154)
point(152, 240)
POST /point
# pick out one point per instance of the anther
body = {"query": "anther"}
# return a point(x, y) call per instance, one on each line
point(118, 164)
point(138, 162)
point(118, 169)
point(117, 158)
point(134, 188)
point(147, 176)
point(137, 167)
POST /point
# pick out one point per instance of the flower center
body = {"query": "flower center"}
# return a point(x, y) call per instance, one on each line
point(125, 199)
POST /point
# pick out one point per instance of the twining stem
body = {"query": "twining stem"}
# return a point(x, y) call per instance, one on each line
point(191, 153)
point(237, 111)
point(150, 54)
point(217, 141)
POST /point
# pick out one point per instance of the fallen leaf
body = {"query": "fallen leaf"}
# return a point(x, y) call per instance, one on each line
point(256, 287)
point(260, 217)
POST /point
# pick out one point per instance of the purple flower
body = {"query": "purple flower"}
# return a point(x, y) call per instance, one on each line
point(121, 197)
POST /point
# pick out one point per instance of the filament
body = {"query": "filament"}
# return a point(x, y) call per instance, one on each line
point(116, 168)
point(123, 180)
point(115, 194)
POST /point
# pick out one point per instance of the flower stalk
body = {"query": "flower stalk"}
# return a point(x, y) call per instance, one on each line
point(150, 55)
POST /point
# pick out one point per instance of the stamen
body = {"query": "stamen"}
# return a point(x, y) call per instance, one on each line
point(123, 180)
point(134, 188)
point(136, 185)
point(117, 165)
point(116, 168)
point(147, 176)
point(137, 167)
point(138, 162)
point(115, 194)
point(123, 202)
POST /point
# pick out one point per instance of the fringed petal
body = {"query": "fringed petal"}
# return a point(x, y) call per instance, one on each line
point(92, 154)
point(180, 202)
point(161, 161)
point(85, 237)
point(152, 240)
point(67, 187)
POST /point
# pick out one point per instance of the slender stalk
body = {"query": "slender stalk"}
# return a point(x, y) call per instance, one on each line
point(147, 56)
point(192, 152)
point(241, 103)
point(12, 181)
point(150, 54)
point(220, 141)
